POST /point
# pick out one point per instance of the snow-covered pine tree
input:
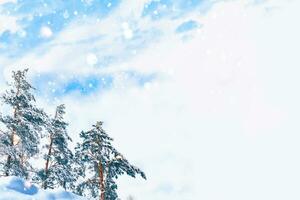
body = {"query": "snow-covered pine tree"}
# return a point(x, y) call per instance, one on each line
point(21, 137)
point(101, 164)
point(59, 158)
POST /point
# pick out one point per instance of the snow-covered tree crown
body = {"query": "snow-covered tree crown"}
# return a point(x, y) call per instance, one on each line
point(102, 163)
point(59, 158)
point(23, 126)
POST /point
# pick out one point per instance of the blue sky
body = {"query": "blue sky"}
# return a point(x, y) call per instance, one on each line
point(40, 22)
point(201, 94)
point(57, 15)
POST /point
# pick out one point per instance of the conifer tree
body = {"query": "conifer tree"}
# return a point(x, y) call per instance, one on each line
point(21, 137)
point(101, 164)
point(59, 158)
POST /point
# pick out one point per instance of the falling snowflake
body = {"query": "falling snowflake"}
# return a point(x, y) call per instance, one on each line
point(66, 14)
point(91, 59)
point(46, 32)
point(127, 32)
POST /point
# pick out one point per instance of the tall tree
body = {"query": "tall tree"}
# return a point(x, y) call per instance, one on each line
point(20, 139)
point(101, 164)
point(59, 158)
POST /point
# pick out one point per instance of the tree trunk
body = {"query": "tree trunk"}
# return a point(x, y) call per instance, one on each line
point(9, 159)
point(8, 162)
point(101, 179)
point(47, 163)
point(48, 155)
point(12, 139)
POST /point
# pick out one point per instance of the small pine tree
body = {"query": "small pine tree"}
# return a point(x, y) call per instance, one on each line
point(101, 164)
point(20, 140)
point(59, 158)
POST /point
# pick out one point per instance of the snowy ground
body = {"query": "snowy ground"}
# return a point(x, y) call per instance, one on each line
point(13, 188)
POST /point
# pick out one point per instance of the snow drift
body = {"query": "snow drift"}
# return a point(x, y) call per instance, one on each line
point(13, 188)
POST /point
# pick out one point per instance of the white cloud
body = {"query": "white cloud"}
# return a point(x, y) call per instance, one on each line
point(7, 1)
point(8, 23)
point(220, 122)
